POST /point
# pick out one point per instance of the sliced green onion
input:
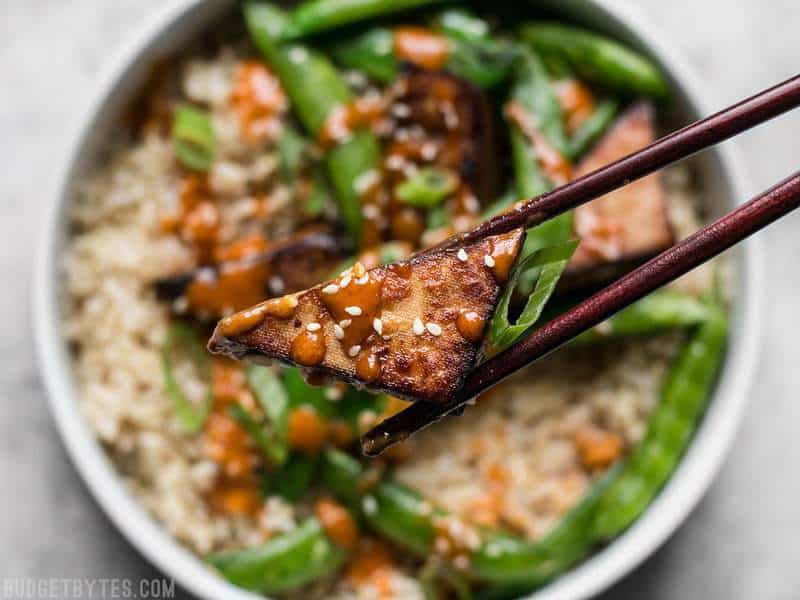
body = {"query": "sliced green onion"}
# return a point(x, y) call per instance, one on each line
point(181, 337)
point(293, 479)
point(274, 450)
point(462, 24)
point(271, 395)
point(550, 262)
point(193, 136)
point(427, 187)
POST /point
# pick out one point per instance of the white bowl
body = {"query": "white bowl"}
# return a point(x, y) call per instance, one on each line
point(724, 185)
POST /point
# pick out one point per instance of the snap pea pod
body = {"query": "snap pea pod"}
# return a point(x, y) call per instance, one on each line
point(598, 59)
point(533, 91)
point(404, 517)
point(683, 398)
point(485, 62)
point(659, 311)
point(315, 89)
point(285, 562)
point(318, 16)
point(591, 131)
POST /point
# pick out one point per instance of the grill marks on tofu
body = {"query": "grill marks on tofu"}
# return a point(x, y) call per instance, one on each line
point(408, 329)
point(630, 224)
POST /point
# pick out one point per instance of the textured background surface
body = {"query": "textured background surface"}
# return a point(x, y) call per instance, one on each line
point(741, 541)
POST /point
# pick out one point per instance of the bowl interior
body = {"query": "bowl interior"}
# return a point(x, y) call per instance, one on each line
point(718, 178)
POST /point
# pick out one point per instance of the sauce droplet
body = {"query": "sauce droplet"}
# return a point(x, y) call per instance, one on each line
point(368, 367)
point(470, 325)
point(503, 252)
point(308, 348)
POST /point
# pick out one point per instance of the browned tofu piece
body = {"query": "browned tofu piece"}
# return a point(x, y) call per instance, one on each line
point(630, 224)
point(290, 264)
point(413, 328)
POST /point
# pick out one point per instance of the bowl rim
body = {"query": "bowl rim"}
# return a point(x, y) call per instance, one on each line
point(670, 508)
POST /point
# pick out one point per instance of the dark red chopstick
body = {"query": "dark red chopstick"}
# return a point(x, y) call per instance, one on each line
point(681, 144)
point(668, 266)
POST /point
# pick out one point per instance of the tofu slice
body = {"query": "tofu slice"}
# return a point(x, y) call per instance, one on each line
point(290, 264)
point(413, 329)
point(629, 225)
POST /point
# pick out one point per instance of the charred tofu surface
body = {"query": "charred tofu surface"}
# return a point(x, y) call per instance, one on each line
point(413, 329)
point(630, 224)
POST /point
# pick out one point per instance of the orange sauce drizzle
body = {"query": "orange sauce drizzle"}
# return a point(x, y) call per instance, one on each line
point(257, 98)
point(470, 325)
point(504, 252)
point(308, 348)
point(337, 523)
point(576, 101)
point(421, 47)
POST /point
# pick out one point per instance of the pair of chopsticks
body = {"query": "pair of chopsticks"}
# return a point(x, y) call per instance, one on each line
point(666, 267)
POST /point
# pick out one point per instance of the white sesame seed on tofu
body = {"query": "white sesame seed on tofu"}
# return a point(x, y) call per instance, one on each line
point(330, 289)
point(362, 280)
point(353, 351)
point(377, 325)
point(345, 323)
point(314, 326)
point(434, 329)
point(419, 326)
point(462, 255)
point(338, 332)
point(353, 311)
point(345, 281)
point(488, 261)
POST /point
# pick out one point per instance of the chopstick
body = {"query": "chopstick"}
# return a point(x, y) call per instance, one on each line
point(666, 267)
point(676, 146)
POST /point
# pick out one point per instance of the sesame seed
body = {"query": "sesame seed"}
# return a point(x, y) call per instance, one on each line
point(345, 281)
point(354, 311)
point(353, 351)
point(419, 327)
point(370, 212)
point(395, 162)
point(429, 151)
point(359, 270)
point(338, 332)
point(377, 324)
point(370, 505)
point(330, 289)
point(488, 261)
point(313, 326)
point(365, 181)
point(401, 111)
point(462, 255)
point(276, 284)
point(471, 204)
point(291, 301)
point(345, 323)
point(362, 280)
point(461, 562)
point(434, 329)
point(333, 393)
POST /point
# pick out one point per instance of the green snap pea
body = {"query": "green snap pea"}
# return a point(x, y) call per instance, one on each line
point(532, 89)
point(318, 16)
point(427, 188)
point(285, 562)
point(659, 311)
point(485, 62)
point(315, 89)
point(593, 129)
point(683, 398)
point(598, 59)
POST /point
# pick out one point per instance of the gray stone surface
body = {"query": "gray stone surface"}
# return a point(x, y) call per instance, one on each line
point(741, 541)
